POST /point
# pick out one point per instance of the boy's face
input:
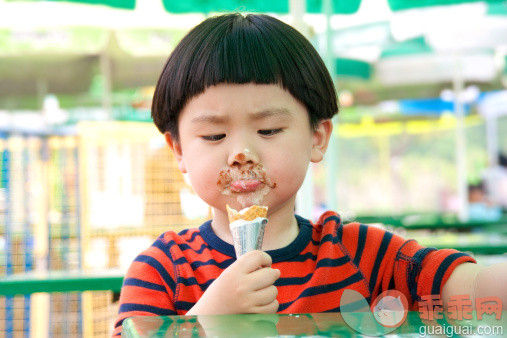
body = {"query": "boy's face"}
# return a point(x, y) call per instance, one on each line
point(244, 144)
point(476, 195)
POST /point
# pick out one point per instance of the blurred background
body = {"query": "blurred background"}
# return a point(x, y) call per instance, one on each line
point(86, 180)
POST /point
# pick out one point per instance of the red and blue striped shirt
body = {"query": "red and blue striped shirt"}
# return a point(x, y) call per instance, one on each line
point(326, 258)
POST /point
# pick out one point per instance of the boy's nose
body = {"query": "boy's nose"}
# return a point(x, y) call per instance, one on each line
point(243, 157)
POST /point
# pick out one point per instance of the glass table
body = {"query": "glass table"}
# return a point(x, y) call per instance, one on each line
point(301, 325)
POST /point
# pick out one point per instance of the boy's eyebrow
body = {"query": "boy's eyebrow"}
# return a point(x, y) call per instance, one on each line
point(217, 119)
point(277, 112)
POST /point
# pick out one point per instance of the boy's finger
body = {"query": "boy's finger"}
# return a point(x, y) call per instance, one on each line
point(263, 278)
point(266, 296)
point(269, 308)
point(252, 260)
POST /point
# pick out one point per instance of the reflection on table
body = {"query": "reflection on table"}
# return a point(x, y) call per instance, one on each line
point(269, 325)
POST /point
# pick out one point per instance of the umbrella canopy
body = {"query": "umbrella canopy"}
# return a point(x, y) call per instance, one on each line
point(415, 62)
point(406, 50)
point(66, 48)
point(276, 6)
point(269, 6)
point(273, 6)
point(207, 6)
point(398, 36)
point(124, 4)
point(398, 5)
point(61, 59)
point(65, 60)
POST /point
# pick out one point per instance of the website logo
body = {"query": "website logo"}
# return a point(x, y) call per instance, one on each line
point(387, 312)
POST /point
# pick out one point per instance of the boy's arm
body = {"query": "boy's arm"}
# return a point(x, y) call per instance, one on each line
point(477, 281)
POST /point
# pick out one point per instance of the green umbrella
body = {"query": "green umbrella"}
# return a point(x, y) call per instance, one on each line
point(276, 6)
point(270, 6)
point(312, 6)
point(372, 52)
point(398, 5)
point(351, 68)
point(414, 61)
point(207, 6)
point(497, 8)
point(65, 60)
point(125, 4)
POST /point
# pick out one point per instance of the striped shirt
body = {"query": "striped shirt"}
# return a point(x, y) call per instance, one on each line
point(326, 257)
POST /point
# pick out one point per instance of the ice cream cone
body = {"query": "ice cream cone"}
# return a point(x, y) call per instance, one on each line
point(247, 228)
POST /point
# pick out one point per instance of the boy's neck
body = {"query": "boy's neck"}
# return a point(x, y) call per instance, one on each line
point(281, 230)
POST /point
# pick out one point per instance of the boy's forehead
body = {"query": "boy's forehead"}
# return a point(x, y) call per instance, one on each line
point(251, 100)
point(232, 88)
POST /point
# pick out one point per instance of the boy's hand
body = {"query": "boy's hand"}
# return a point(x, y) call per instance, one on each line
point(244, 287)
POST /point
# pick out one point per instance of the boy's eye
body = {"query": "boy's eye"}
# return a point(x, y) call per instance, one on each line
point(269, 132)
point(213, 137)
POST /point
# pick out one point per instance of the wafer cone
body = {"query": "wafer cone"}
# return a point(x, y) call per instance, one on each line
point(252, 213)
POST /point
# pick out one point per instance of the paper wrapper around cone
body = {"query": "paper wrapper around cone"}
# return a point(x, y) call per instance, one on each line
point(247, 228)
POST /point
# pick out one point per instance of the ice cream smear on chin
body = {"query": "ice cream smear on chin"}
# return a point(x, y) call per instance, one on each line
point(247, 228)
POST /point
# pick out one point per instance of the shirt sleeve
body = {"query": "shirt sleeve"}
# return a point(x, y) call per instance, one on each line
point(389, 261)
point(148, 287)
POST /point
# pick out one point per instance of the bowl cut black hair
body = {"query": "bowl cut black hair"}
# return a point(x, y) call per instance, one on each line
point(238, 49)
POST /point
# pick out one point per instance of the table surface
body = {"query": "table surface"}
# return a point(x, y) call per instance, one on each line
point(273, 325)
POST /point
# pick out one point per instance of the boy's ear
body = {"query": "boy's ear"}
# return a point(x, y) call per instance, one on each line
point(321, 139)
point(176, 148)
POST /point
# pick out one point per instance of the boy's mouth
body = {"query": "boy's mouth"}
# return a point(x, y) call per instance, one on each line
point(248, 184)
point(246, 179)
point(245, 185)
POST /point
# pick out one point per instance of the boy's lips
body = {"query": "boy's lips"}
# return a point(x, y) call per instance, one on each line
point(243, 179)
point(245, 185)
point(248, 184)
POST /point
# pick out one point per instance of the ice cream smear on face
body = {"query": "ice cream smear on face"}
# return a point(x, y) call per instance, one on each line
point(247, 228)
point(248, 183)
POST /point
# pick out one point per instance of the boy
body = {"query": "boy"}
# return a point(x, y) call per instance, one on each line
point(245, 103)
point(480, 208)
